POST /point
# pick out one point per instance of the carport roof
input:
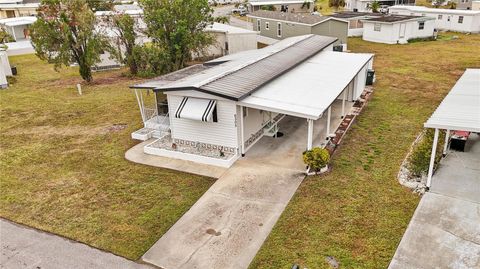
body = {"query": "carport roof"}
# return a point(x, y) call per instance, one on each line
point(460, 109)
point(309, 89)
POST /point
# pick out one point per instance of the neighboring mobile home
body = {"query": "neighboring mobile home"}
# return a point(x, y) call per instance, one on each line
point(280, 25)
point(213, 113)
point(18, 8)
point(445, 19)
point(396, 29)
point(355, 24)
point(18, 27)
point(364, 5)
point(292, 6)
point(230, 39)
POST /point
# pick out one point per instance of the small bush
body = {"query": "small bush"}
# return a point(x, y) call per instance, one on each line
point(419, 159)
point(316, 158)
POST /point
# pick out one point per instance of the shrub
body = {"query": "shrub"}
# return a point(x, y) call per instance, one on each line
point(151, 60)
point(316, 158)
point(419, 159)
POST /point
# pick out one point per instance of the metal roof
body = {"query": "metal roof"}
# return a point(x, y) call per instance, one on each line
point(460, 109)
point(309, 89)
point(239, 76)
point(290, 17)
point(245, 80)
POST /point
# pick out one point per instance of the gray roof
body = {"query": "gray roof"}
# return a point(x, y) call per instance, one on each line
point(351, 14)
point(236, 76)
point(291, 17)
point(394, 18)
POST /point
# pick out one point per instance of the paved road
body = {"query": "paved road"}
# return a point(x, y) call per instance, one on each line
point(445, 229)
point(22, 247)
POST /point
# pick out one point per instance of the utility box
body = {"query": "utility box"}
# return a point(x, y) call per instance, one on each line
point(370, 77)
point(338, 48)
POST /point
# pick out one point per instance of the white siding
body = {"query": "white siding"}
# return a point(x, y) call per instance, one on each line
point(390, 33)
point(222, 133)
point(241, 42)
point(255, 120)
point(360, 81)
point(448, 21)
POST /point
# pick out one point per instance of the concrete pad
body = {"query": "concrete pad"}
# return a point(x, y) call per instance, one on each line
point(459, 173)
point(229, 223)
point(23, 247)
point(136, 154)
point(443, 233)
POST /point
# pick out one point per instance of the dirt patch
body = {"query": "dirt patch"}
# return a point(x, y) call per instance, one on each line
point(213, 232)
point(117, 127)
point(62, 131)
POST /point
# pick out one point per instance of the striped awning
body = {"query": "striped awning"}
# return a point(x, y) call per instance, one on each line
point(196, 109)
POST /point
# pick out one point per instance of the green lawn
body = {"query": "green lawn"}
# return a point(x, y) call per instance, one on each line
point(358, 213)
point(62, 164)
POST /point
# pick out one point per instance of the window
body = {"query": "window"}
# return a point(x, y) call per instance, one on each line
point(377, 27)
point(440, 17)
point(421, 25)
point(279, 29)
point(258, 25)
point(267, 26)
point(460, 19)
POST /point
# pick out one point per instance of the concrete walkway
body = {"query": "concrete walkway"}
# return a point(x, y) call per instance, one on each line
point(445, 229)
point(22, 247)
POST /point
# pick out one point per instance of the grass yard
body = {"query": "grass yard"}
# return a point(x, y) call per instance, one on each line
point(62, 164)
point(358, 213)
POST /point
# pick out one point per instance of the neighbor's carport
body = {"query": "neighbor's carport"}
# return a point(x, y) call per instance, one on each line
point(459, 111)
point(334, 75)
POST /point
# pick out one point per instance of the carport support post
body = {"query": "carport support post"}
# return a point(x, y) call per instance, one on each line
point(329, 115)
point(310, 134)
point(432, 158)
point(242, 134)
point(445, 147)
point(343, 102)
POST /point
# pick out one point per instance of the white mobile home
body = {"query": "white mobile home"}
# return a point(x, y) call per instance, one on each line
point(395, 29)
point(364, 5)
point(230, 39)
point(467, 21)
point(214, 113)
point(18, 27)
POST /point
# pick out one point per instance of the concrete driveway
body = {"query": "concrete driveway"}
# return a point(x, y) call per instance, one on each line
point(227, 226)
point(445, 229)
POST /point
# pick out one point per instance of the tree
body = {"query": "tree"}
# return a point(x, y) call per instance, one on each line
point(124, 25)
point(374, 6)
point(268, 7)
point(65, 33)
point(222, 19)
point(178, 30)
point(336, 3)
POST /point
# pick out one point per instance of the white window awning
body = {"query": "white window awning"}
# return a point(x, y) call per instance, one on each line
point(196, 109)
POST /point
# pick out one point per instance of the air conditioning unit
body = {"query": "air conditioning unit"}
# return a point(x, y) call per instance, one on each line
point(338, 48)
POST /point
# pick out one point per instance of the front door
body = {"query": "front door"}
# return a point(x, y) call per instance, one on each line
point(403, 27)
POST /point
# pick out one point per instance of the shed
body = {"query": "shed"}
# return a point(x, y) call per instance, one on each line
point(230, 39)
point(397, 29)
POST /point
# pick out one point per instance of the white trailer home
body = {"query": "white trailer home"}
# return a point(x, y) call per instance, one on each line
point(467, 21)
point(230, 39)
point(18, 27)
point(214, 113)
point(395, 29)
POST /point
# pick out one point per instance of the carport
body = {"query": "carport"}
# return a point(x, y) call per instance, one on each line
point(339, 79)
point(459, 111)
